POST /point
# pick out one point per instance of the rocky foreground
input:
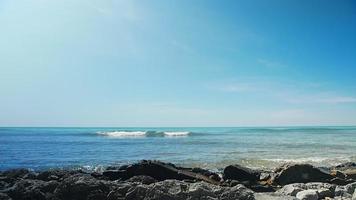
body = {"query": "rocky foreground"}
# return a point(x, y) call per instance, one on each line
point(154, 180)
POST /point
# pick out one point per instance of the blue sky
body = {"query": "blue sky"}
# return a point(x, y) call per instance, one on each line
point(177, 63)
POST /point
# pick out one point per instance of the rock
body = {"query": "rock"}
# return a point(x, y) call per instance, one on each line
point(261, 188)
point(300, 173)
point(82, 187)
point(291, 189)
point(350, 188)
point(179, 190)
point(16, 173)
point(338, 174)
point(307, 195)
point(271, 196)
point(350, 174)
point(265, 176)
point(338, 181)
point(31, 189)
point(142, 179)
point(237, 172)
point(157, 170)
point(339, 191)
point(354, 196)
point(323, 193)
point(345, 166)
point(57, 174)
point(4, 196)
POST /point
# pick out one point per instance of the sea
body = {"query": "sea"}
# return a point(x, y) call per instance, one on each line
point(210, 148)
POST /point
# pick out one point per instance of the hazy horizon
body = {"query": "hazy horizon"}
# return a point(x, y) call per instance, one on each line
point(106, 63)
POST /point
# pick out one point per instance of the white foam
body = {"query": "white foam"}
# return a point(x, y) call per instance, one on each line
point(178, 133)
point(123, 133)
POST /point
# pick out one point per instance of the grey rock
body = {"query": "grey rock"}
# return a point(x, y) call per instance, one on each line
point(307, 195)
point(350, 188)
point(291, 189)
point(82, 187)
point(272, 196)
point(354, 196)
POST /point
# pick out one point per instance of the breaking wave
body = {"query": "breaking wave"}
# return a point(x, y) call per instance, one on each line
point(123, 134)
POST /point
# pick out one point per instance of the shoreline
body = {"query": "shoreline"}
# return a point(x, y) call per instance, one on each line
point(149, 179)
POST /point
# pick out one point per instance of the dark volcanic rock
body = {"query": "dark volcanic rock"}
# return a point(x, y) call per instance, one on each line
point(15, 173)
point(27, 189)
point(237, 172)
point(300, 173)
point(52, 175)
point(4, 197)
point(157, 170)
point(142, 179)
point(345, 166)
point(178, 190)
point(82, 187)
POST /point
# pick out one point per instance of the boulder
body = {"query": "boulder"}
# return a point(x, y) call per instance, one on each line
point(237, 172)
point(15, 173)
point(300, 173)
point(55, 175)
point(142, 179)
point(350, 188)
point(31, 189)
point(4, 196)
point(179, 190)
point(157, 170)
point(291, 189)
point(82, 187)
point(345, 166)
point(271, 196)
point(307, 195)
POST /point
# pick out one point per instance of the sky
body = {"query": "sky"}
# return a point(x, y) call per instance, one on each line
point(177, 63)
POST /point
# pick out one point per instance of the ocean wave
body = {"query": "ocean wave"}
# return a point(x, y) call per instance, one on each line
point(177, 133)
point(123, 134)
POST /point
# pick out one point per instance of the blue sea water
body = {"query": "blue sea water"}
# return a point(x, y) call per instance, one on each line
point(213, 148)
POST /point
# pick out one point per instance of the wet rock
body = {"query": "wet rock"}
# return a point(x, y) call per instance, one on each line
point(307, 195)
point(237, 172)
point(300, 173)
point(82, 187)
point(345, 166)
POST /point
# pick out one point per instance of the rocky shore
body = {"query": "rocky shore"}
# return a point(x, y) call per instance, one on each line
point(155, 180)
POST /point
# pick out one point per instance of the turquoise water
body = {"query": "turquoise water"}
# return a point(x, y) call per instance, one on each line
point(214, 148)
